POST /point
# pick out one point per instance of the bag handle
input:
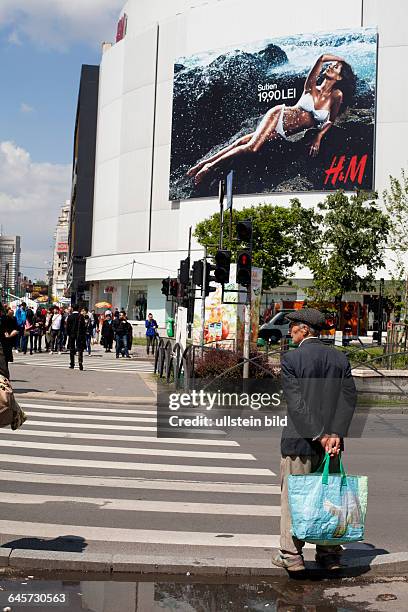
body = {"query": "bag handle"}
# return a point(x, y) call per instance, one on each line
point(326, 466)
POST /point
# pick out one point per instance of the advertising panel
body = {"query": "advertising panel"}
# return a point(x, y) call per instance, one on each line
point(290, 114)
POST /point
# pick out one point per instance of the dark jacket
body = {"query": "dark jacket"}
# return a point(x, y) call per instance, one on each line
point(76, 330)
point(121, 327)
point(107, 330)
point(320, 394)
point(7, 324)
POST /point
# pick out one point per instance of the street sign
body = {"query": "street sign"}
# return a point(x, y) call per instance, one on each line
point(230, 177)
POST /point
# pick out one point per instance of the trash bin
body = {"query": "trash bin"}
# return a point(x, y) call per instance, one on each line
point(170, 327)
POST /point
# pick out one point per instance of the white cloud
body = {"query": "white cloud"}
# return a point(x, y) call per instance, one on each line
point(26, 108)
point(60, 23)
point(14, 39)
point(31, 195)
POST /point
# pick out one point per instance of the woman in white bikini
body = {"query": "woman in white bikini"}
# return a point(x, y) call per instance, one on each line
point(318, 107)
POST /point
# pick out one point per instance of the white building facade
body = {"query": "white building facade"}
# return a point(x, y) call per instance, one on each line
point(60, 257)
point(139, 235)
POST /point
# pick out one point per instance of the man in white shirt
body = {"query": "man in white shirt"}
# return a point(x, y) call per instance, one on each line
point(56, 322)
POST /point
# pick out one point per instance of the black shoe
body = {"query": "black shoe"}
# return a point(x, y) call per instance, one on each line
point(329, 562)
point(117, 356)
point(81, 367)
point(71, 367)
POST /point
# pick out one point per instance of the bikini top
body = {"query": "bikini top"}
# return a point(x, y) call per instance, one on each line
point(306, 103)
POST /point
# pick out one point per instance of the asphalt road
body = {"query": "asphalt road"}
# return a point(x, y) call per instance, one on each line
point(93, 476)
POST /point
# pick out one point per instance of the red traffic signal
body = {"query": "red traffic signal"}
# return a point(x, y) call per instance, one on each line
point(244, 265)
point(174, 285)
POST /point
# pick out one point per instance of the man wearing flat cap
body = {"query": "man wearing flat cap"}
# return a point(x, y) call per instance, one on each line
point(321, 399)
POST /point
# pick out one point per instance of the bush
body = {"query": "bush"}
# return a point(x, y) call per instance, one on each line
point(217, 361)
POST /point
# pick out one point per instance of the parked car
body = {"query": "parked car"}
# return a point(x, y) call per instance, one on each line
point(276, 328)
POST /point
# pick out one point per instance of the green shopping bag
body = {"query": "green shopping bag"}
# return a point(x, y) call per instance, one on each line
point(328, 508)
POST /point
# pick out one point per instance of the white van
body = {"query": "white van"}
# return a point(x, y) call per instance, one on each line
point(276, 328)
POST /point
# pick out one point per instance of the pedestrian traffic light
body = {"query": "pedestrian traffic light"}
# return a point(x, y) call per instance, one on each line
point(185, 271)
point(222, 266)
point(165, 287)
point(198, 269)
point(244, 231)
point(244, 264)
point(209, 278)
point(174, 285)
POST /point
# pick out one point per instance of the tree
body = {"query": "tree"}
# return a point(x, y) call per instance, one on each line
point(354, 233)
point(282, 237)
point(396, 204)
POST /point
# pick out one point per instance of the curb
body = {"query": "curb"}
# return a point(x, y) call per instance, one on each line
point(37, 561)
point(89, 397)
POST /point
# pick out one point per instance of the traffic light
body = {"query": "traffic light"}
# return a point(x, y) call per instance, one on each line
point(244, 264)
point(174, 285)
point(198, 269)
point(185, 271)
point(165, 287)
point(222, 266)
point(244, 231)
point(209, 279)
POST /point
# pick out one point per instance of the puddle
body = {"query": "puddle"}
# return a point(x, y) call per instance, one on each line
point(186, 595)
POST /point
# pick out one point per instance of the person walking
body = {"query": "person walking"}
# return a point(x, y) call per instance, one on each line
point(28, 331)
point(56, 323)
point(121, 331)
point(88, 332)
point(107, 332)
point(21, 316)
point(77, 337)
point(321, 397)
point(8, 332)
point(151, 331)
point(39, 327)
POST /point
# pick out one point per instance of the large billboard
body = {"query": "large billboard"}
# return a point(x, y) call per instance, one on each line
point(289, 114)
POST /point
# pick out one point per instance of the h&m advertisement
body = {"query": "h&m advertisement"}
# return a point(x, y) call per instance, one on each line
point(289, 114)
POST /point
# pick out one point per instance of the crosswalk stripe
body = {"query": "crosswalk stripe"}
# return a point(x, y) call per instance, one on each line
point(197, 486)
point(33, 421)
point(140, 505)
point(73, 409)
point(125, 419)
point(141, 467)
point(141, 536)
point(119, 450)
point(150, 438)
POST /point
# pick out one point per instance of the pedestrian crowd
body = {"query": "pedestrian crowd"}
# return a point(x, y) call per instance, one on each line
point(59, 330)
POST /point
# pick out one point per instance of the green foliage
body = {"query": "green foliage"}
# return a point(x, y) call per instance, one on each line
point(396, 204)
point(351, 245)
point(282, 237)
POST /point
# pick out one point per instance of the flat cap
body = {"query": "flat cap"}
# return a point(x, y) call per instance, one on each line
point(309, 316)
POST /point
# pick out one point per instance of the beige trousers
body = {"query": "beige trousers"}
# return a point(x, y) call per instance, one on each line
point(296, 465)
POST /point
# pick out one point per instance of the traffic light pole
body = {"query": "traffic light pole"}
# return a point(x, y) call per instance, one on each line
point(247, 320)
point(203, 298)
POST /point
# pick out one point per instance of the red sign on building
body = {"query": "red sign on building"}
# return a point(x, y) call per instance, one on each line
point(121, 29)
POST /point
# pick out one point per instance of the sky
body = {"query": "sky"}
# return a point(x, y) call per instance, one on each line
point(43, 44)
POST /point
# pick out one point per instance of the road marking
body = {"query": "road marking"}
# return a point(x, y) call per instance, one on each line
point(141, 536)
point(119, 450)
point(140, 467)
point(94, 417)
point(196, 486)
point(139, 505)
point(88, 436)
point(33, 421)
point(73, 409)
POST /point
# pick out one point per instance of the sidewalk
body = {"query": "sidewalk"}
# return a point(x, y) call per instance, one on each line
point(128, 383)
